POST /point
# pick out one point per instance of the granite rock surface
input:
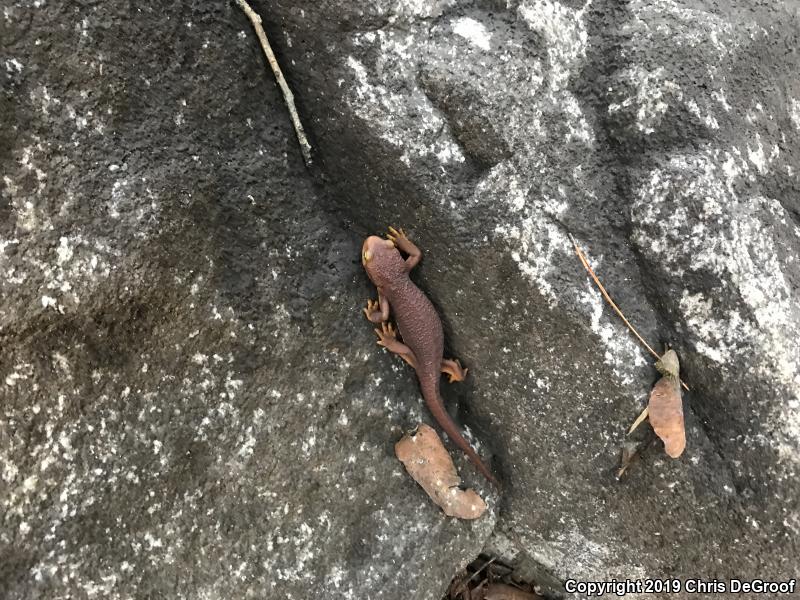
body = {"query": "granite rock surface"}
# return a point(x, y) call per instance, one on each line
point(191, 403)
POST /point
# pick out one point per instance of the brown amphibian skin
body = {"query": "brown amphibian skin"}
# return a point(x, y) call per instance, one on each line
point(419, 325)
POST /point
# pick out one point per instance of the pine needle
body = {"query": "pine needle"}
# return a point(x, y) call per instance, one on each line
point(603, 291)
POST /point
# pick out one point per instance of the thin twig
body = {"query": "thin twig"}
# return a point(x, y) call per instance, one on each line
point(486, 564)
point(603, 291)
point(288, 97)
point(464, 584)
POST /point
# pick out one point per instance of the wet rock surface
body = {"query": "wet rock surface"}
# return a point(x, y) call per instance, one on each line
point(192, 404)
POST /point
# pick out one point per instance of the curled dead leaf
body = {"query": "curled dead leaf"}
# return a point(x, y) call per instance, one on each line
point(630, 454)
point(430, 465)
point(666, 406)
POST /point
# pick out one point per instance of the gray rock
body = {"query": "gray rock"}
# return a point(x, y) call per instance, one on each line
point(193, 405)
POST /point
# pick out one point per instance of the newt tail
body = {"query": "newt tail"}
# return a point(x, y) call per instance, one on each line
point(430, 391)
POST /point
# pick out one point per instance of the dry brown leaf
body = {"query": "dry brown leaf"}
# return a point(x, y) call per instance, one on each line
point(501, 591)
point(666, 406)
point(630, 454)
point(428, 462)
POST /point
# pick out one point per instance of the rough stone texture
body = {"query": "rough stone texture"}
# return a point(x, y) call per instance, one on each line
point(192, 403)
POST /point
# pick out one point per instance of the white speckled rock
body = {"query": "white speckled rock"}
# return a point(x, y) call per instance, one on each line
point(663, 136)
point(192, 404)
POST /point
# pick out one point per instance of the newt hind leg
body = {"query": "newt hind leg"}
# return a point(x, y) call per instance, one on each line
point(387, 337)
point(454, 370)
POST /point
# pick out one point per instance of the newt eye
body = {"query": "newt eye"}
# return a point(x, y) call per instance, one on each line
point(367, 256)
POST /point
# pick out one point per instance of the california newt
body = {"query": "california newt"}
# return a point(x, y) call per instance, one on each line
point(422, 344)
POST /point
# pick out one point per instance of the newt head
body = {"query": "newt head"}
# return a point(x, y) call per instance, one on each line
point(381, 260)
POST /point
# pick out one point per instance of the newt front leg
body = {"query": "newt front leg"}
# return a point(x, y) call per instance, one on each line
point(399, 239)
point(377, 311)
